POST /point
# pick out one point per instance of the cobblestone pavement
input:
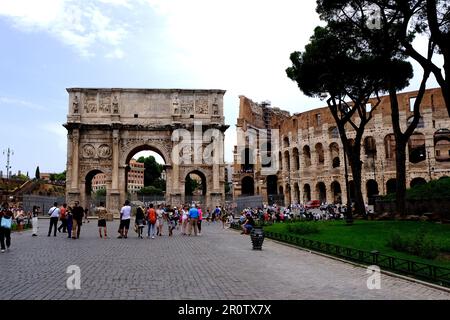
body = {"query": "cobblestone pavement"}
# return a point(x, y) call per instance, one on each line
point(220, 264)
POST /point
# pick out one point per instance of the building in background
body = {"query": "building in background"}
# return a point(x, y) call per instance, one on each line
point(135, 181)
point(291, 159)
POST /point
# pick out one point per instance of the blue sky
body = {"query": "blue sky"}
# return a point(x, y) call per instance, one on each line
point(49, 45)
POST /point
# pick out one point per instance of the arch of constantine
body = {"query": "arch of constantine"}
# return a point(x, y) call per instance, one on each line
point(107, 127)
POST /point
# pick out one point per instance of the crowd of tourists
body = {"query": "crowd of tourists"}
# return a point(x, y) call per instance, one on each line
point(277, 214)
point(156, 219)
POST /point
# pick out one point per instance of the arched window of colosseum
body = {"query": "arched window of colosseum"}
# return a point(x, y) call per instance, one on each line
point(248, 158)
point(417, 182)
point(420, 124)
point(248, 186)
point(337, 192)
point(320, 154)
point(416, 147)
point(321, 191)
point(297, 192)
point(286, 142)
point(391, 186)
point(372, 191)
point(306, 193)
point(307, 155)
point(442, 145)
point(272, 185)
point(334, 155)
point(296, 159)
point(286, 161)
point(370, 146)
point(333, 132)
point(389, 146)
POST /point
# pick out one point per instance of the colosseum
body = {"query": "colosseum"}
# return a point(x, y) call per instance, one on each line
point(304, 159)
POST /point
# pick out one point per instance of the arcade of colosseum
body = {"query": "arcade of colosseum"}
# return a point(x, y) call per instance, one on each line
point(311, 152)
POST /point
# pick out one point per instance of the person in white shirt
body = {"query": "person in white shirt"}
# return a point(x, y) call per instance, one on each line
point(125, 216)
point(54, 217)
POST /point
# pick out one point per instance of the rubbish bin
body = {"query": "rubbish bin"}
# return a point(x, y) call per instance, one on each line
point(257, 237)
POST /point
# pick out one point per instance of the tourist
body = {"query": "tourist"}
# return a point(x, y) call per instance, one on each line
point(86, 212)
point(185, 220)
point(171, 222)
point(125, 216)
point(151, 217)
point(34, 220)
point(63, 218)
point(101, 215)
point(213, 216)
point(69, 222)
point(54, 217)
point(176, 216)
point(217, 212)
point(6, 217)
point(208, 216)
point(20, 218)
point(223, 218)
point(248, 224)
point(199, 221)
point(77, 220)
point(139, 222)
point(193, 217)
point(159, 220)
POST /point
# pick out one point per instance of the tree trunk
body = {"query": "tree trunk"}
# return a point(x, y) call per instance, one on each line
point(400, 161)
point(356, 173)
point(446, 87)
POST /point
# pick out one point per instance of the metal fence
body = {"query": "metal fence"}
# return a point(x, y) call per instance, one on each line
point(424, 271)
point(248, 202)
point(44, 202)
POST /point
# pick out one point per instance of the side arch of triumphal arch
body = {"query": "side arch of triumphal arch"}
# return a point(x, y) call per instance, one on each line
point(106, 127)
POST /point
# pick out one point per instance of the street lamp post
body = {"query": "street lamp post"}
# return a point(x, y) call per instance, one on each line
point(8, 153)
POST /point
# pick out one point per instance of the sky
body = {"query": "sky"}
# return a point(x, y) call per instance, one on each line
point(241, 46)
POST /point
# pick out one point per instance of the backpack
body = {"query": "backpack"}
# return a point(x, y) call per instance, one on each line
point(152, 216)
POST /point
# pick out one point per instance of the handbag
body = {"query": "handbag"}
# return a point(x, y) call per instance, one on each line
point(6, 223)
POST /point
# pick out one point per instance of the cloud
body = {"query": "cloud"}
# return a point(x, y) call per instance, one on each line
point(83, 26)
point(60, 134)
point(19, 103)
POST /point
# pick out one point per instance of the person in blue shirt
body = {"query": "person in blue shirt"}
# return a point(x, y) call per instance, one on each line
point(193, 218)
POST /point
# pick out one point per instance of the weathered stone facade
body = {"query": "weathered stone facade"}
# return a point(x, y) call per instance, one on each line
point(311, 152)
point(106, 127)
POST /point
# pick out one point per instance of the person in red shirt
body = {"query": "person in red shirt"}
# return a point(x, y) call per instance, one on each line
point(63, 218)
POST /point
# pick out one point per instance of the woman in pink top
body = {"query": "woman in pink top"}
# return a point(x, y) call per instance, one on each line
point(199, 221)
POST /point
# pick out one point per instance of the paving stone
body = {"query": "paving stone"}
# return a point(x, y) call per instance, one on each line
point(218, 265)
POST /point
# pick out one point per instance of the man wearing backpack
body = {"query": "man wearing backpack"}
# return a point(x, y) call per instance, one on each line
point(54, 217)
point(151, 217)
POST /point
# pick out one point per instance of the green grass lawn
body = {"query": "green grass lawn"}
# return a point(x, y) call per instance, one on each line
point(374, 235)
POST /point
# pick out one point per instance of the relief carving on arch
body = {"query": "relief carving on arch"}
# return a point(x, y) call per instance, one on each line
point(86, 168)
point(88, 151)
point(164, 146)
point(201, 106)
point(104, 151)
point(90, 104)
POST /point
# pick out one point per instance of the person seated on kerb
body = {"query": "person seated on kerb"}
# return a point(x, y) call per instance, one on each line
point(248, 224)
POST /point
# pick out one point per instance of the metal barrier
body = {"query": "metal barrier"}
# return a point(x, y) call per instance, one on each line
point(423, 271)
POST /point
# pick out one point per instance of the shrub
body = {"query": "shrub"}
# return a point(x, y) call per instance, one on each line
point(419, 245)
point(303, 228)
